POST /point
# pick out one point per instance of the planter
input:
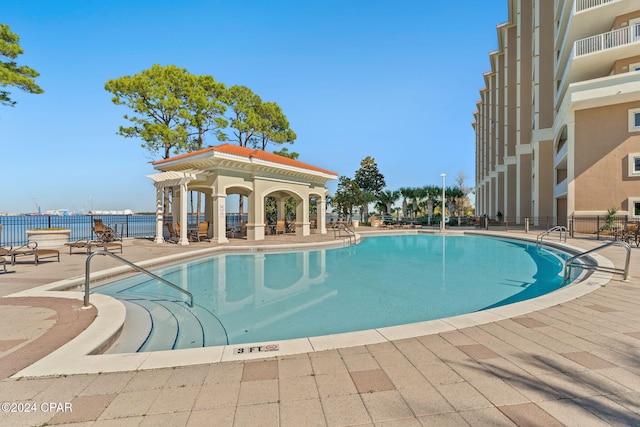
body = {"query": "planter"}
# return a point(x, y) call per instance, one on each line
point(355, 223)
point(48, 238)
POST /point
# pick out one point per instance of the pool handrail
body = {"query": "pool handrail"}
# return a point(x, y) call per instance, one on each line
point(339, 226)
point(560, 228)
point(132, 265)
point(570, 262)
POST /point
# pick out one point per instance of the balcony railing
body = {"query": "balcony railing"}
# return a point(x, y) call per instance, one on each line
point(587, 4)
point(615, 38)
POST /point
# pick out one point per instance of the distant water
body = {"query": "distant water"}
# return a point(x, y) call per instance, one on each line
point(14, 227)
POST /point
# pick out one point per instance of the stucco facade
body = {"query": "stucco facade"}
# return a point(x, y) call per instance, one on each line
point(556, 124)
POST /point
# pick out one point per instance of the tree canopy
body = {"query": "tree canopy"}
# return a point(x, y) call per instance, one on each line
point(348, 195)
point(157, 98)
point(368, 177)
point(12, 74)
point(173, 109)
point(255, 123)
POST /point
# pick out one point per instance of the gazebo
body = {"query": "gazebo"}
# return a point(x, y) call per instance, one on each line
point(231, 169)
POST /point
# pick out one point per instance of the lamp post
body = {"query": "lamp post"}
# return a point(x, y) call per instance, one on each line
point(444, 175)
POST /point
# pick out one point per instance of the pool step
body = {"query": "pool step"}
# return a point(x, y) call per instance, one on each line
point(181, 326)
point(135, 331)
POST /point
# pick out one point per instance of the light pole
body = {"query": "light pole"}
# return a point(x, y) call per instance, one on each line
point(444, 175)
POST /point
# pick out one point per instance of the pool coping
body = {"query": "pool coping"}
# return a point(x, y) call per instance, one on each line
point(76, 356)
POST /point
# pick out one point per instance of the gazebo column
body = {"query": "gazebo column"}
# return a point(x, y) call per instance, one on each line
point(255, 223)
point(302, 218)
point(159, 214)
point(182, 214)
point(219, 217)
point(321, 212)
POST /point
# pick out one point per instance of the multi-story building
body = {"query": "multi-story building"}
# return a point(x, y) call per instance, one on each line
point(558, 122)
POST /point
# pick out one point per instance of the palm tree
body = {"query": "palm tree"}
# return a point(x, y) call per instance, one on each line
point(453, 194)
point(419, 193)
point(386, 199)
point(432, 193)
point(405, 193)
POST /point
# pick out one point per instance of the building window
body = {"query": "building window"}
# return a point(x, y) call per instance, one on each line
point(634, 120)
point(634, 165)
point(634, 207)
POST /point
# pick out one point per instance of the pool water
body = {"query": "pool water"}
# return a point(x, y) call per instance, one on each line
point(383, 281)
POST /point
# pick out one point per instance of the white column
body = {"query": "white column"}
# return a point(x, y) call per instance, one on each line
point(255, 223)
point(159, 214)
point(183, 240)
point(220, 218)
point(321, 210)
point(302, 217)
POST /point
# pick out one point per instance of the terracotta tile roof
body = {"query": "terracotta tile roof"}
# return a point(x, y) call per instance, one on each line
point(249, 153)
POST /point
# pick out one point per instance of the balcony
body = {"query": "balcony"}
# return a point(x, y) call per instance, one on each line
point(581, 5)
point(610, 40)
point(593, 57)
point(561, 188)
point(586, 18)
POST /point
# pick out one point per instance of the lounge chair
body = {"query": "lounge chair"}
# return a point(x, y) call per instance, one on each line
point(88, 245)
point(3, 261)
point(31, 248)
point(280, 226)
point(85, 245)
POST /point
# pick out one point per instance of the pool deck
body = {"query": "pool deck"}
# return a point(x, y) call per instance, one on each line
point(569, 358)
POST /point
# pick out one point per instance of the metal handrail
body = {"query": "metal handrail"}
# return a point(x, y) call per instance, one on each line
point(130, 264)
point(570, 262)
point(560, 228)
point(339, 226)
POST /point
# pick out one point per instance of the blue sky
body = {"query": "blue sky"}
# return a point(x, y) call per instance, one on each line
point(395, 80)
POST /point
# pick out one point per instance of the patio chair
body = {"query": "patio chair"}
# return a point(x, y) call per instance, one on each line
point(202, 233)
point(191, 234)
point(173, 234)
point(280, 226)
point(631, 232)
point(104, 233)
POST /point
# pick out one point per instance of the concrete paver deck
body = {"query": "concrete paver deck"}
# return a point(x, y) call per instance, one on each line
point(573, 363)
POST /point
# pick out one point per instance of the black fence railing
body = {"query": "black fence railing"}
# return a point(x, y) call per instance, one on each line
point(14, 228)
point(517, 223)
point(599, 227)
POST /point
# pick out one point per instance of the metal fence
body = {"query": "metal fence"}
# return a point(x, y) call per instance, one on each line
point(598, 227)
point(14, 227)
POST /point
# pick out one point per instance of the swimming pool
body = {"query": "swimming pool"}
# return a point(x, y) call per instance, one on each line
point(383, 281)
